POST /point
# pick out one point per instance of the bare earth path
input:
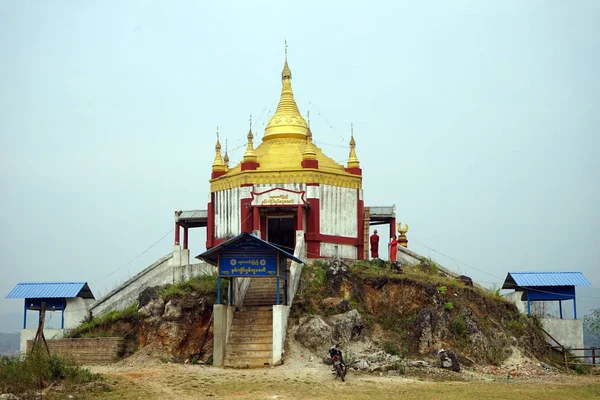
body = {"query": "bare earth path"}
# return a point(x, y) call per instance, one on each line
point(314, 381)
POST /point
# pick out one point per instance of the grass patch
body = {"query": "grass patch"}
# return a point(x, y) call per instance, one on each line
point(204, 285)
point(38, 370)
point(89, 327)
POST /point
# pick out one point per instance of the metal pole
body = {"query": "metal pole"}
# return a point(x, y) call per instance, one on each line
point(560, 308)
point(277, 289)
point(593, 356)
point(25, 316)
point(575, 307)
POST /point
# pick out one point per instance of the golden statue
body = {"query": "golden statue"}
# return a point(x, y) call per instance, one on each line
point(402, 241)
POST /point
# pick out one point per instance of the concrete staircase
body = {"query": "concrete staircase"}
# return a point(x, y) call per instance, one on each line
point(250, 343)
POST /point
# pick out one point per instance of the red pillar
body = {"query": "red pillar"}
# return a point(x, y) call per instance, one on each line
point(185, 237)
point(255, 219)
point(300, 219)
point(313, 222)
point(392, 228)
point(176, 233)
point(210, 222)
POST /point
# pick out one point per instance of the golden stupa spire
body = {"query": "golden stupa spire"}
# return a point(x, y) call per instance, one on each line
point(309, 152)
point(218, 164)
point(250, 155)
point(352, 159)
point(287, 122)
point(226, 158)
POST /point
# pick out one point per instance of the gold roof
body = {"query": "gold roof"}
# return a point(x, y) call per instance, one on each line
point(287, 142)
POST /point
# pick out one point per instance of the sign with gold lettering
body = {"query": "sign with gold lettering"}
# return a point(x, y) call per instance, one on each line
point(278, 198)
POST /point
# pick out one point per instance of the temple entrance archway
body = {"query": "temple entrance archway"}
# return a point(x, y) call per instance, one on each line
point(281, 231)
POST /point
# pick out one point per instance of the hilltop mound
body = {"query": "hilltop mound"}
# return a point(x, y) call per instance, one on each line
point(376, 312)
point(415, 312)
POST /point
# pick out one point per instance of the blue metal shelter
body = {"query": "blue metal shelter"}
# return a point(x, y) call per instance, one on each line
point(248, 256)
point(546, 286)
point(54, 294)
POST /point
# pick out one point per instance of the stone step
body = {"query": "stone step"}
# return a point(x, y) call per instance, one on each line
point(246, 354)
point(249, 363)
point(249, 346)
point(252, 328)
point(233, 333)
point(253, 321)
point(246, 340)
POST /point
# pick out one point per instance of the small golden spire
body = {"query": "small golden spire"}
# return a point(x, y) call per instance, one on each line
point(352, 159)
point(226, 158)
point(309, 152)
point(250, 155)
point(287, 122)
point(218, 164)
point(286, 73)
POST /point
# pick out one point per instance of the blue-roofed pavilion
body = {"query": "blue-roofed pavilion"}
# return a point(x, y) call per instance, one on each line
point(546, 286)
point(53, 294)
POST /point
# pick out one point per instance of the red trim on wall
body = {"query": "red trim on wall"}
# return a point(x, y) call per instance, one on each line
point(185, 237)
point(317, 237)
point(312, 184)
point(310, 164)
point(216, 174)
point(249, 166)
point(354, 171)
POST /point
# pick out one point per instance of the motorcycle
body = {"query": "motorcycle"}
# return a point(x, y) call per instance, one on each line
point(340, 369)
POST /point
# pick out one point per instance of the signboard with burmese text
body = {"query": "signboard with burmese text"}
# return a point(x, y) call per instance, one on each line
point(246, 265)
point(278, 198)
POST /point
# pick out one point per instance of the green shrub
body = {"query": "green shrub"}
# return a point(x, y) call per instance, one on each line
point(517, 326)
point(442, 289)
point(458, 325)
point(38, 370)
point(201, 284)
point(390, 348)
point(449, 305)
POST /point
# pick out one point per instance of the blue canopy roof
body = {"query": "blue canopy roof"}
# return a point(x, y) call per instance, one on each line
point(50, 290)
point(532, 279)
point(238, 242)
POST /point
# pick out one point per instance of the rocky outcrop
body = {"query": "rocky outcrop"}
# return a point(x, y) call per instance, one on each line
point(314, 333)
point(318, 334)
point(177, 326)
point(449, 360)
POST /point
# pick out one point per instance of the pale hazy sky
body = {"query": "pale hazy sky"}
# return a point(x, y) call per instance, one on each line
point(479, 119)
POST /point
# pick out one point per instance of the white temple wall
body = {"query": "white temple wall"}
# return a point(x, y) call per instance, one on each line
point(227, 213)
point(338, 250)
point(338, 211)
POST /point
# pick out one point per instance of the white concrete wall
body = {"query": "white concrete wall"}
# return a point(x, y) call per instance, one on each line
point(227, 213)
point(568, 332)
point(515, 297)
point(342, 251)
point(280, 319)
point(76, 311)
point(159, 273)
point(186, 272)
point(29, 334)
point(338, 211)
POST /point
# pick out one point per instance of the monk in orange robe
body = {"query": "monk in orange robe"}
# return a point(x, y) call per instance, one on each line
point(393, 248)
point(374, 239)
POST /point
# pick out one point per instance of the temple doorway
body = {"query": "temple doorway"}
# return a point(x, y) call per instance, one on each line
point(281, 231)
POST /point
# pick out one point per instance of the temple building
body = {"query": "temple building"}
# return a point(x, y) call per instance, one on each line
point(287, 185)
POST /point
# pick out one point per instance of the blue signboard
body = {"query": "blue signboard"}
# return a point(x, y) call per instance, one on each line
point(247, 264)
